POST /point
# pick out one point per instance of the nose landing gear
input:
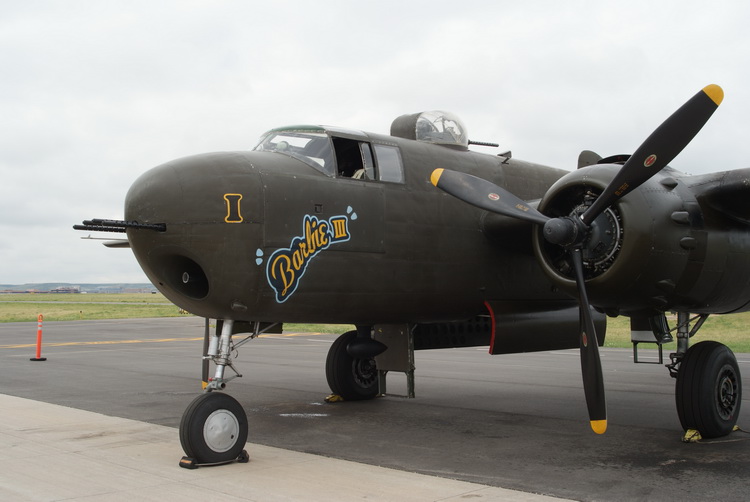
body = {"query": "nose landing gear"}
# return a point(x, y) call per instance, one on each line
point(213, 431)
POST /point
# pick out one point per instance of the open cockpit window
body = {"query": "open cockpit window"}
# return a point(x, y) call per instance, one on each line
point(354, 159)
point(361, 160)
point(312, 148)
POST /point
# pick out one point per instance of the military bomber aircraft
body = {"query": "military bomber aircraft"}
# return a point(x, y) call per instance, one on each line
point(422, 243)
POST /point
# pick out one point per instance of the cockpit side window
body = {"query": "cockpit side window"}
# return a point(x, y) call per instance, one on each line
point(354, 159)
point(368, 161)
point(348, 158)
point(390, 167)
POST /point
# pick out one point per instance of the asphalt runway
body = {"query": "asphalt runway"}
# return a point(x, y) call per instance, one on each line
point(515, 421)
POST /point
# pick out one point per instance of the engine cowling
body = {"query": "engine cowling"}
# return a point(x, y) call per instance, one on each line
point(646, 253)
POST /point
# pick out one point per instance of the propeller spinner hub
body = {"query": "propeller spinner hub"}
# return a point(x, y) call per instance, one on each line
point(599, 243)
point(562, 231)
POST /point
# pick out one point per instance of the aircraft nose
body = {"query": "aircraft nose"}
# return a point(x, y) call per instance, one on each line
point(188, 188)
point(211, 205)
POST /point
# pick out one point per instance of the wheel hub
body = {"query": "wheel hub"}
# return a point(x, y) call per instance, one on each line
point(726, 393)
point(221, 430)
point(365, 372)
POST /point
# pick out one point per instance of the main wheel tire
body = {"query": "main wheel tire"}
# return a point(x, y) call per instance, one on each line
point(213, 428)
point(353, 379)
point(709, 389)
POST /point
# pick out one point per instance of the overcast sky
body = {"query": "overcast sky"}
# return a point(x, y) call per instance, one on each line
point(94, 93)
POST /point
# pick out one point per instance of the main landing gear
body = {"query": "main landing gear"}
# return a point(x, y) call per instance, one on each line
point(354, 378)
point(709, 387)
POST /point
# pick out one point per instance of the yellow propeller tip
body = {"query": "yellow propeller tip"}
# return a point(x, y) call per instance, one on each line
point(436, 176)
point(714, 92)
point(599, 426)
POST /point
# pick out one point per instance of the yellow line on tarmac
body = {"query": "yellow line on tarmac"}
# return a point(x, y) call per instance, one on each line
point(109, 342)
point(159, 340)
point(268, 335)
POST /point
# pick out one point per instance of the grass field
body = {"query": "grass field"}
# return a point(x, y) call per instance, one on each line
point(69, 307)
point(731, 330)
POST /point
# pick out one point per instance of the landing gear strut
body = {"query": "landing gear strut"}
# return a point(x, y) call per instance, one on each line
point(213, 429)
point(709, 388)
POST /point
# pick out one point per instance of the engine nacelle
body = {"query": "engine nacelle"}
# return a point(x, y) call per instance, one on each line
point(654, 250)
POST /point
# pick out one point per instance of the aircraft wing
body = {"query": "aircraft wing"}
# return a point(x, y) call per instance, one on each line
point(727, 192)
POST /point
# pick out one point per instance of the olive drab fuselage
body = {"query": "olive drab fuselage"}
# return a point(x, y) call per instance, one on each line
point(275, 235)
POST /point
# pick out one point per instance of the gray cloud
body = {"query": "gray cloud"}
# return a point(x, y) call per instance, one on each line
point(95, 93)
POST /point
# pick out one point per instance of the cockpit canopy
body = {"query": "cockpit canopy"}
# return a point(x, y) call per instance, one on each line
point(310, 144)
point(438, 127)
point(353, 154)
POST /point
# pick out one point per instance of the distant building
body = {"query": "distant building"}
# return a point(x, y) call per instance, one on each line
point(66, 289)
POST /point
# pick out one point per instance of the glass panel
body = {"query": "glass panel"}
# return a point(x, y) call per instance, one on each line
point(441, 128)
point(367, 161)
point(389, 163)
point(314, 149)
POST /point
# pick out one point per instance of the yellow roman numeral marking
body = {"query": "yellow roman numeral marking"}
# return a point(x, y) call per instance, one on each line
point(339, 228)
point(234, 214)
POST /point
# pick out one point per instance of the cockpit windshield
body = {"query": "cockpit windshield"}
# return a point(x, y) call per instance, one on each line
point(311, 147)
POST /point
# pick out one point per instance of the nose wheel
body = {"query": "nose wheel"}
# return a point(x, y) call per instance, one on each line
point(213, 431)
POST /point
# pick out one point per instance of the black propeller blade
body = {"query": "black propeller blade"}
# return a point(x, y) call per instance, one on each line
point(570, 232)
point(591, 364)
point(485, 195)
point(659, 149)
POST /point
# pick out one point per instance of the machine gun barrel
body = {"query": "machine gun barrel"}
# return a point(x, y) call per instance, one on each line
point(483, 143)
point(101, 225)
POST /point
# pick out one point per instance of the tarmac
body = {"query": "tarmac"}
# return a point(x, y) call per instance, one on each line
point(56, 453)
point(479, 428)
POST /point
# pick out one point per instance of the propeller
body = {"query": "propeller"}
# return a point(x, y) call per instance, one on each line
point(571, 232)
point(659, 149)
